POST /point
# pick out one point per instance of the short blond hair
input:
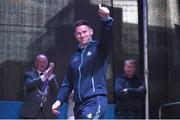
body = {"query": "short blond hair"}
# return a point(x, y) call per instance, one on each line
point(130, 61)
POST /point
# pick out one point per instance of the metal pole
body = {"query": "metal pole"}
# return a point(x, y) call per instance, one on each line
point(146, 71)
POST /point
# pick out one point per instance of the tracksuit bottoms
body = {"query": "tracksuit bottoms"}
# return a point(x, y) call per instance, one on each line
point(91, 108)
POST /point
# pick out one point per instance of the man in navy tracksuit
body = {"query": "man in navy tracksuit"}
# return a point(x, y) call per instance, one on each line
point(87, 70)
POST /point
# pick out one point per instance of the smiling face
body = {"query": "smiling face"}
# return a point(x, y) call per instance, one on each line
point(83, 34)
point(41, 63)
point(129, 68)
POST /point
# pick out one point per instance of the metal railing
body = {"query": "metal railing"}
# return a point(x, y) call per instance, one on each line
point(166, 105)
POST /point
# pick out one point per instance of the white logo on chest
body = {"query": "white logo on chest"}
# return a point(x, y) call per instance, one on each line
point(89, 53)
point(89, 115)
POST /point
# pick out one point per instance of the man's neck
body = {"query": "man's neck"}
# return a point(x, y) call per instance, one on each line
point(82, 46)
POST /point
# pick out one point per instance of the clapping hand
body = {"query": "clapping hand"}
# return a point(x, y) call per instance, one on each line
point(48, 73)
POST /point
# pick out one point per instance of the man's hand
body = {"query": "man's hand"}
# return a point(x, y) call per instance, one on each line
point(125, 91)
point(103, 12)
point(48, 72)
point(55, 107)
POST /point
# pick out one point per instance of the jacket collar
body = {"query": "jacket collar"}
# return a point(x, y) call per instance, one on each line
point(123, 75)
point(80, 49)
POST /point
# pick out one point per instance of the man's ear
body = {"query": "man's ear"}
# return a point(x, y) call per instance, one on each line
point(91, 31)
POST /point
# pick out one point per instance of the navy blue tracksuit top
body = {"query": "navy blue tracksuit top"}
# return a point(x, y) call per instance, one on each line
point(86, 73)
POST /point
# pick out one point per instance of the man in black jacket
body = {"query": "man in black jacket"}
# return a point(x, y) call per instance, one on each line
point(87, 70)
point(130, 92)
point(41, 90)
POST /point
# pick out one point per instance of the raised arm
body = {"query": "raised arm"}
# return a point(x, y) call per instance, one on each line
point(106, 30)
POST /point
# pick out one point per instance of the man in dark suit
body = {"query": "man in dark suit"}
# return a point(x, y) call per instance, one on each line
point(41, 90)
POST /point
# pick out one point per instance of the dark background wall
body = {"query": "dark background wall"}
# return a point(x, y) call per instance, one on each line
point(164, 55)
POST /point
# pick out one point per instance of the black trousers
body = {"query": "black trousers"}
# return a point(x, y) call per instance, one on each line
point(41, 114)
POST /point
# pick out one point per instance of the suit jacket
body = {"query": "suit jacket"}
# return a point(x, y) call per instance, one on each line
point(31, 106)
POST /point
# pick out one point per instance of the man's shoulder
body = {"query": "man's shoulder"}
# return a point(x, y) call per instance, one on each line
point(121, 77)
point(29, 71)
